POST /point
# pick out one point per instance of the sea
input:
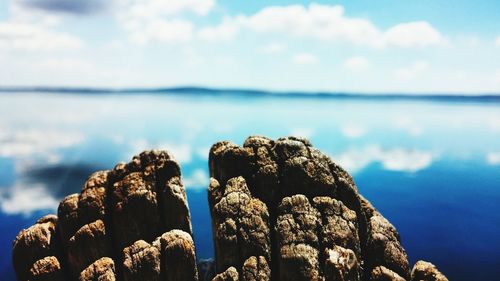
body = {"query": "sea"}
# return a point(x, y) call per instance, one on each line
point(429, 164)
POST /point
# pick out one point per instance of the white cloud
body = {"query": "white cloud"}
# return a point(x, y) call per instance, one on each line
point(273, 48)
point(31, 142)
point(413, 34)
point(304, 58)
point(161, 30)
point(352, 131)
point(222, 32)
point(154, 8)
point(329, 23)
point(493, 158)
point(26, 198)
point(198, 179)
point(412, 71)
point(497, 41)
point(357, 64)
point(35, 37)
point(397, 159)
point(155, 20)
point(302, 132)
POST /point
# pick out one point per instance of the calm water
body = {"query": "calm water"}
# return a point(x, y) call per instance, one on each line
point(432, 168)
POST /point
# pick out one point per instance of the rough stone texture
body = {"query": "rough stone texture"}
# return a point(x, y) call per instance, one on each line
point(426, 271)
point(141, 261)
point(87, 245)
point(102, 269)
point(341, 264)
point(33, 244)
point(106, 232)
point(281, 210)
point(178, 256)
point(230, 274)
point(381, 273)
point(46, 269)
point(256, 268)
point(319, 226)
point(134, 209)
point(241, 226)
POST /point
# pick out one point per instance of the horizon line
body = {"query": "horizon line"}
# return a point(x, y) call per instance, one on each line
point(221, 91)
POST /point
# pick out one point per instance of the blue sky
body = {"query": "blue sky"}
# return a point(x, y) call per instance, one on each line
point(355, 46)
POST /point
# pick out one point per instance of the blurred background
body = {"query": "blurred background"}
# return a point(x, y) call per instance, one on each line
point(403, 94)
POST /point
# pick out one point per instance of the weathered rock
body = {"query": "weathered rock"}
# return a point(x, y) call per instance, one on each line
point(47, 269)
point(134, 210)
point(32, 244)
point(87, 245)
point(319, 226)
point(92, 200)
point(178, 256)
point(382, 273)
point(241, 226)
point(256, 268)
point(341, 265)
point(67, 212)
point(141, 261)
point(102, 269)
point(426, 271)
point(112, 222)
point(384, 247)
point(281, 210)
point(297, 239)
point(230, 274)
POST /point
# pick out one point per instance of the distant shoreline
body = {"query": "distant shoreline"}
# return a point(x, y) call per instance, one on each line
point(228, 92)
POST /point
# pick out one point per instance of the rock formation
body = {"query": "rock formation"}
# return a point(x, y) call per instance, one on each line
point(281, 210)
point(129, 223)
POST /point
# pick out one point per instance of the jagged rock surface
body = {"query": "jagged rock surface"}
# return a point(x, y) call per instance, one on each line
point(129, 223)
point(426, 271)
point(281, 210)
point(309, 221)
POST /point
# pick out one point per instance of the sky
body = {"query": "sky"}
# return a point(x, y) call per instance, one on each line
point(339, 46)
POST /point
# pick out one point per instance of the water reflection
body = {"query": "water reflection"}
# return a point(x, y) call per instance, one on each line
point(430, 167)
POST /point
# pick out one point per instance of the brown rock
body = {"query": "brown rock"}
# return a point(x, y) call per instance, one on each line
point(230, 274)
point(381, 273)
point(47, 269)
point(317, 219)
point(102, 269)
point(141, 261)
point(135, 201)
point(178, 256)
point(281, 210)
point(92, 200)
point(67, 213)
point(384, 247)
point(134, 210)
point(341, 265)
point(33, 244)
point(241, 226)
point(89, 244)
point(256, 268)
point(426, 271)
point(297, 239)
